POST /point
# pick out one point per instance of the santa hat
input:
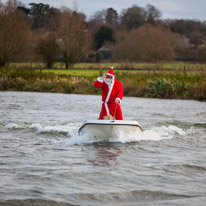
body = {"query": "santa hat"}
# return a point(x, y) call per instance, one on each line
point(111, 72)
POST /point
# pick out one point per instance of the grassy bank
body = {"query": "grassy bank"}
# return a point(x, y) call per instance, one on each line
point(158, 84)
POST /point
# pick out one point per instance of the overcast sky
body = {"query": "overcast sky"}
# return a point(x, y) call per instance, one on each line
point(180, 9)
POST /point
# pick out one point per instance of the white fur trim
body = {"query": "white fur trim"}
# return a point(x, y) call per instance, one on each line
point(99, 79)
point(108, 96)
point(107, 109)
point(110, 74)
point(118, 99)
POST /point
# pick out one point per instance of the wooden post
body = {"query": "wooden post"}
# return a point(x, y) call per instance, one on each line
point(100, 72)
point(184, 71)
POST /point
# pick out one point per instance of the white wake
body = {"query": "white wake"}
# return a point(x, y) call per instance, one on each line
point(70, 133)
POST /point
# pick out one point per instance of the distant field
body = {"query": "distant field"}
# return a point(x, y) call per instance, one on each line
point(86, 72)
point(92, 72)
point(141, 65)
point(122, 65)
point(74, 72)
point(93, 69)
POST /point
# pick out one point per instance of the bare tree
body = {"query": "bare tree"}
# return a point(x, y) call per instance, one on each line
point(133, 17)
point(111, 17)
point(48, 49)
point(153, 14)
point(14, 31)
point(201, 53)
point(100, 16)
point(94, 25)
point(147, 43)
point(74, 39)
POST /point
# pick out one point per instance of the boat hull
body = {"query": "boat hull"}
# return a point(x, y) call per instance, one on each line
point(106, 129)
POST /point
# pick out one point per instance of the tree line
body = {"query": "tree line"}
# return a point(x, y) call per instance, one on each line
point(43, 33)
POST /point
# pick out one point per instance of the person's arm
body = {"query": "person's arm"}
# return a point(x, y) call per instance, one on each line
point(99, 82)
point(119, 94)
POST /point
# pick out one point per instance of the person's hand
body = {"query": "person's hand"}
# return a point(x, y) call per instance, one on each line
point(104, 76)
point(117, 101)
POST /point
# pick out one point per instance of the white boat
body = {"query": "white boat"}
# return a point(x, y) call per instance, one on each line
point(106, 129)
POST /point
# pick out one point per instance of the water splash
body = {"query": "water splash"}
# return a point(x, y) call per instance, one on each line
point(70, 131)
point(66, 130)
point(153, 134)
point(13, 126)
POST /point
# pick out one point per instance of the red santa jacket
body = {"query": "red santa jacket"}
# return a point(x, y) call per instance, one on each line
point(110, 92)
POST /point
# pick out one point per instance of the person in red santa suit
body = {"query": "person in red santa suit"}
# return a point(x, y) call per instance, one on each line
point(112, 94)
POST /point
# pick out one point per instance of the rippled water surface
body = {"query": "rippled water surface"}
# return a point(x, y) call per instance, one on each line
point(43, 161)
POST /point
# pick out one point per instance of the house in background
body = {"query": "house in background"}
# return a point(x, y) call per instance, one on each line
point(106, 52)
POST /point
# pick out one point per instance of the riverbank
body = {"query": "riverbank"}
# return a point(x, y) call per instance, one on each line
point(156, 84)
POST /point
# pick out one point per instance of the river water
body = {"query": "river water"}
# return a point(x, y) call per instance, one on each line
point(44, 162)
